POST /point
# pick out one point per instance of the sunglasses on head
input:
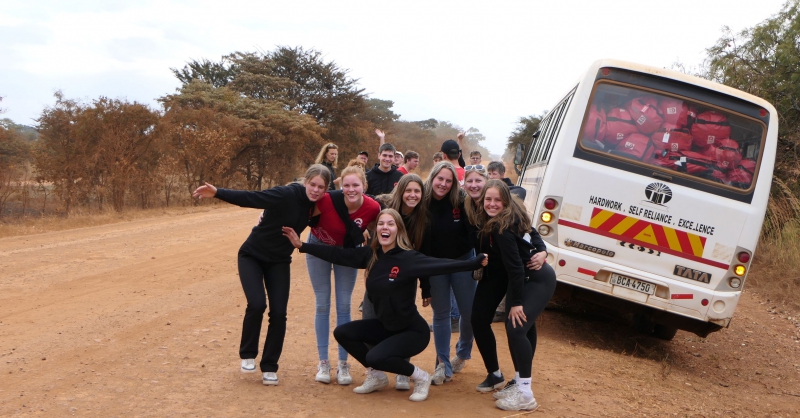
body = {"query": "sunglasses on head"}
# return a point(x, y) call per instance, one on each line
point(478, 167)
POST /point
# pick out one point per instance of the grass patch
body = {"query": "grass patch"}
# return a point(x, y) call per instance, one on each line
point(81, 218)
point(775, 271)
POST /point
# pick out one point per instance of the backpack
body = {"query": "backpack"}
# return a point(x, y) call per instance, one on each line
point(709, 127)
point(635, 145)
point(595, 128)
point(675, 112)
point(672, 139)
point(619, 124)
point(728, 155)
point(646, 114)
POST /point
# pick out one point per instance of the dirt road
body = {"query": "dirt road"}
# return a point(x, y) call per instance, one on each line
point(143, 319)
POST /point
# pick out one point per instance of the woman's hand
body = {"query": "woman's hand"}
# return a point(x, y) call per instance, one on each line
point(207, 191)
point(517, 316)
point(485, 260)
point(537, 261)
point(426, 302)
point(292, 235)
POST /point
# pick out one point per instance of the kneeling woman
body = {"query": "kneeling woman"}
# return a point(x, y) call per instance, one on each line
point(398, 332)
point(502, 223)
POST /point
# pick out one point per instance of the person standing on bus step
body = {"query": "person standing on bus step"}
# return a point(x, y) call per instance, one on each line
point(502, 224)
point(264, 260)
point(410, 162)
point(382, 178)
point(343, 216)
point(448, 237)
point(329, 157)
point(497, 171)
point(399, 331)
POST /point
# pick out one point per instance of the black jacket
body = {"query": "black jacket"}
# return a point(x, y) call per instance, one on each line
point(331, 186)
point(379, 182)
point(508, 252)
point(391, 283)
point(448, 234)
point(283, 206)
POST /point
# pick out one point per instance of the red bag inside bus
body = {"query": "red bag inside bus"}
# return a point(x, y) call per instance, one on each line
point(709, 127)
point(675, 112)
point(686, 162)
point(748, 165)
point(728, 155)
point(740, 178)
point(595, 128)
point(645, 113)
point(619, 124)
point(709, 151)
point(672, 139)
point(634, 146)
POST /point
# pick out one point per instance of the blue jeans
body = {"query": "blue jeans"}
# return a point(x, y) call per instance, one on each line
point(454, 314)
point(463, 287)
point(319, 271)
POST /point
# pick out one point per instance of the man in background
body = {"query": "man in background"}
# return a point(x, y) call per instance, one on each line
point(475, 157)
point(363, 156)
point(410, 162)
point(497, 171)
point(437, 158)
point(383, 177)
point(398, 158)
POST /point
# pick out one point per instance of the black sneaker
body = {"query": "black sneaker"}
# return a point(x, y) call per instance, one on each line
point(491, 383)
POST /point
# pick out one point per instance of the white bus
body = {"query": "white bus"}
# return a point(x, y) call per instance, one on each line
point(650, 187)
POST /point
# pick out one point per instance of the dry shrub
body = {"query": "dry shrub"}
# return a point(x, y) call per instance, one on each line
point(775, 272)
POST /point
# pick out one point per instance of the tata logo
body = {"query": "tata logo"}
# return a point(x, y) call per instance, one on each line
point(658, 193)
point(692, 274)
point(393, 274)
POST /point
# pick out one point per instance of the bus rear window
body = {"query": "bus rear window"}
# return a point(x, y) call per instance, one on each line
point(673, 134)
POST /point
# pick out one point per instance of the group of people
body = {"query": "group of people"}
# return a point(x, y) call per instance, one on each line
point(460, 236)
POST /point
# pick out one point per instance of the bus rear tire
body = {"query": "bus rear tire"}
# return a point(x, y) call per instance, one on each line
point(664, 332)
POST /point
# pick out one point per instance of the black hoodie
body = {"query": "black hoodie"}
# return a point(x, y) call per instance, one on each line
point(391, 283)
point(380, 182)
point(283, 206)
point(508, 253)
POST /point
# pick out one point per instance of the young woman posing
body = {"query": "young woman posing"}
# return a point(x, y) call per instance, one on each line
point(448, 237)
point(399, 332)
point(331, 230)
point(502, 222)
point(264, 260)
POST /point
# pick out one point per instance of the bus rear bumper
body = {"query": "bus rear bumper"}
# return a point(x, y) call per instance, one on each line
point(696, 310)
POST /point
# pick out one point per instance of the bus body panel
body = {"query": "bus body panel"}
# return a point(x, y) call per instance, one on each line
point(685, 245)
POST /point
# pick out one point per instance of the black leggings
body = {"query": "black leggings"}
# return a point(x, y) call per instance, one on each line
point(389, 350)
point(522, 339)
point(256, 276)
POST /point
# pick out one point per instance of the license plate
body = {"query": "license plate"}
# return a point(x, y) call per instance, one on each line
point(637, 285)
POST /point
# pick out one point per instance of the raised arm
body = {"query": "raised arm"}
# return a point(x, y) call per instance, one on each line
point(460, 138)
point(423, 266)
point(349, 257)
point(382, 137)
point(264, 199)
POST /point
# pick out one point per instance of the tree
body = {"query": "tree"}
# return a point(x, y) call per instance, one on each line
point(218, 74)
point(522, 134)
point(764, 61)
point(14, 155)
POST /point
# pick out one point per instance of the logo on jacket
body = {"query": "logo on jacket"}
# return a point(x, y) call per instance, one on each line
point(359, 222)
point(393, 274)
point(456, 214)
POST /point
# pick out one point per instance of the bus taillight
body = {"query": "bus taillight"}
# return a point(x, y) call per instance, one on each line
point(550, 203)
point(743, 257)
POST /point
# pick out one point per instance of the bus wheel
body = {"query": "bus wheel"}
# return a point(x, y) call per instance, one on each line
point(664, 332)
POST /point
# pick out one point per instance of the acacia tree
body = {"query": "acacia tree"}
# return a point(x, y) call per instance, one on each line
point(765, 61)
point(14, 153)
point(522, 134)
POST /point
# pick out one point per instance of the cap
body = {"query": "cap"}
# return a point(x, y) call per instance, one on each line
point(398, 152)
point(364, 153)
point(450, 147)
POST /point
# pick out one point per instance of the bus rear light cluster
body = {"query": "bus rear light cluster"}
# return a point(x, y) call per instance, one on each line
point(543, 230)
point(550, 203)
point(546, 217)
point(740, 270)
point(743, 257)
point(734, 282)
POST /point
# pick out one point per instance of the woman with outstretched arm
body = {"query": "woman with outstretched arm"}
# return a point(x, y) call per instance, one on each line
point(399, 331)
point(264, 260)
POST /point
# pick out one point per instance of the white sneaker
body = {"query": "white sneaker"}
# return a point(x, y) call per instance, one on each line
point(323, 372)
point(457, 363)
point(343, 374)
point(248, 365)
point(439, 376)
point(269, 378)
point(402, 383)
point(505, 392)
point(517, 402)
point(421, 388)
point(376, 380)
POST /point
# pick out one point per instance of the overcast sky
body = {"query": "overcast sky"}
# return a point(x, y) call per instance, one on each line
point(476, 64)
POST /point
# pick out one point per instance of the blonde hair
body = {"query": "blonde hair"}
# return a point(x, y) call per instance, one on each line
point(455, 191)
point(355, 162)
point(324, 151)
point(472, 208)
point(357, 171)
point(513, 214)
point(401, 239)
point(418, 219)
